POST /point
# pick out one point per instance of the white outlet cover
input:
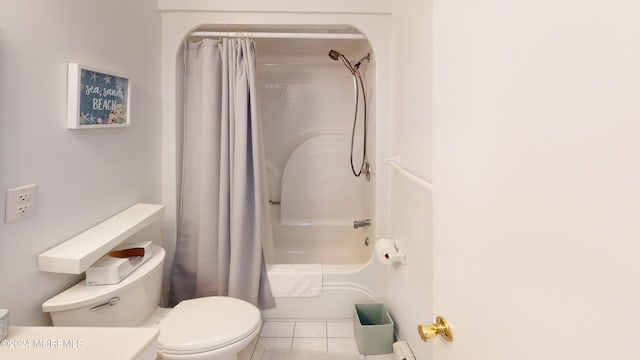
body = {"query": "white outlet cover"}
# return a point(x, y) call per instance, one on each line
point(15, 210)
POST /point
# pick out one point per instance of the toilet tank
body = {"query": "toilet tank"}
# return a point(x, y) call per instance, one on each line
point(128, 303)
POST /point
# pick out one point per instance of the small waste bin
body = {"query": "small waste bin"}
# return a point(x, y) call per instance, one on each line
point(373, 329)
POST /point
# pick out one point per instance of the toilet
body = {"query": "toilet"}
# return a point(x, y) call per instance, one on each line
point(214, 327)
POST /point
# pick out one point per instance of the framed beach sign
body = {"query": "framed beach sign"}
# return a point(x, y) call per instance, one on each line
point(97, 99)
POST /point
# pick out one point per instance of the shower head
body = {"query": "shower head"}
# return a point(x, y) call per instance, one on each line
point(335, 55)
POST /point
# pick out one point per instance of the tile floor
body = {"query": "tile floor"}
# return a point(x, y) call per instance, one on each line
point(330, 336)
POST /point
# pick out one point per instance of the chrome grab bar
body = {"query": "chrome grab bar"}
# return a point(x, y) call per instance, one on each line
point(111, 302)
point(361, 223)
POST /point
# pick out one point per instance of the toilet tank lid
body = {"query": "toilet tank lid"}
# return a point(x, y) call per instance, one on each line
point(82, 294)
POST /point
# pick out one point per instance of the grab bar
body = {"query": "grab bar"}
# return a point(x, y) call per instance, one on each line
point(414, 178)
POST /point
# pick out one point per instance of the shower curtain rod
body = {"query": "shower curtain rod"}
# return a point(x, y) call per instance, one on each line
point(279, 35)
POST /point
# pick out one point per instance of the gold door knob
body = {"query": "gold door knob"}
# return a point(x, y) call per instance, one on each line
point(441, 327)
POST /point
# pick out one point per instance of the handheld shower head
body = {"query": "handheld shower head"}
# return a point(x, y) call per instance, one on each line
point(333, 54)
point(359, 84)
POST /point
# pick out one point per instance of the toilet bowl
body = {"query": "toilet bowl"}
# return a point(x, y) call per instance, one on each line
point(213, 327)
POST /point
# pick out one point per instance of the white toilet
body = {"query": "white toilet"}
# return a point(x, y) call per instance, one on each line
point(214, 327)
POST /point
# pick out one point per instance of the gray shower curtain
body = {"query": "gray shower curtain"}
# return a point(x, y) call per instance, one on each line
point(223, 210)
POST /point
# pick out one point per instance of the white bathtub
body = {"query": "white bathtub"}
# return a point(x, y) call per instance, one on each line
point(321, 244)
point(349, 274)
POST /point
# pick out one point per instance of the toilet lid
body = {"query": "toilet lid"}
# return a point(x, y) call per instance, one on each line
point(206, 324)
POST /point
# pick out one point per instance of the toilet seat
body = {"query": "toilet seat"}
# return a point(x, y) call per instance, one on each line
point(206, 324)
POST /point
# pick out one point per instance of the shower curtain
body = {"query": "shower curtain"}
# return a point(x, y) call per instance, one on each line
point(223, 215)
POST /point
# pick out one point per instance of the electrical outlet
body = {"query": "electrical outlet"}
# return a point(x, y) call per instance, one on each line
point(23, 197)
point(20, 203)
point(23, 209)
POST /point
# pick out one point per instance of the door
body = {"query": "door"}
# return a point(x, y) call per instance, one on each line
point(537, 179)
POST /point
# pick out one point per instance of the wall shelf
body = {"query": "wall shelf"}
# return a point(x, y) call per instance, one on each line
point(75, 255)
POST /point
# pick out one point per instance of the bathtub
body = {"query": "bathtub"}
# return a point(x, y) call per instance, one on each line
point(321, 244)
point(349, 273)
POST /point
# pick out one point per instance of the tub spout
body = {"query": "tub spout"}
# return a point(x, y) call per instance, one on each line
point(361, 223)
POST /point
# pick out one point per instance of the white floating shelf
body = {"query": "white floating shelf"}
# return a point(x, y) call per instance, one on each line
point(75, 255)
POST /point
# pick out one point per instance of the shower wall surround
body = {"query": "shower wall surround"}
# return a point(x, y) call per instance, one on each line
point(307, 106)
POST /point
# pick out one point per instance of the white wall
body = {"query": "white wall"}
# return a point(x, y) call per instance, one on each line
point(83, 176)
point(410, 286)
